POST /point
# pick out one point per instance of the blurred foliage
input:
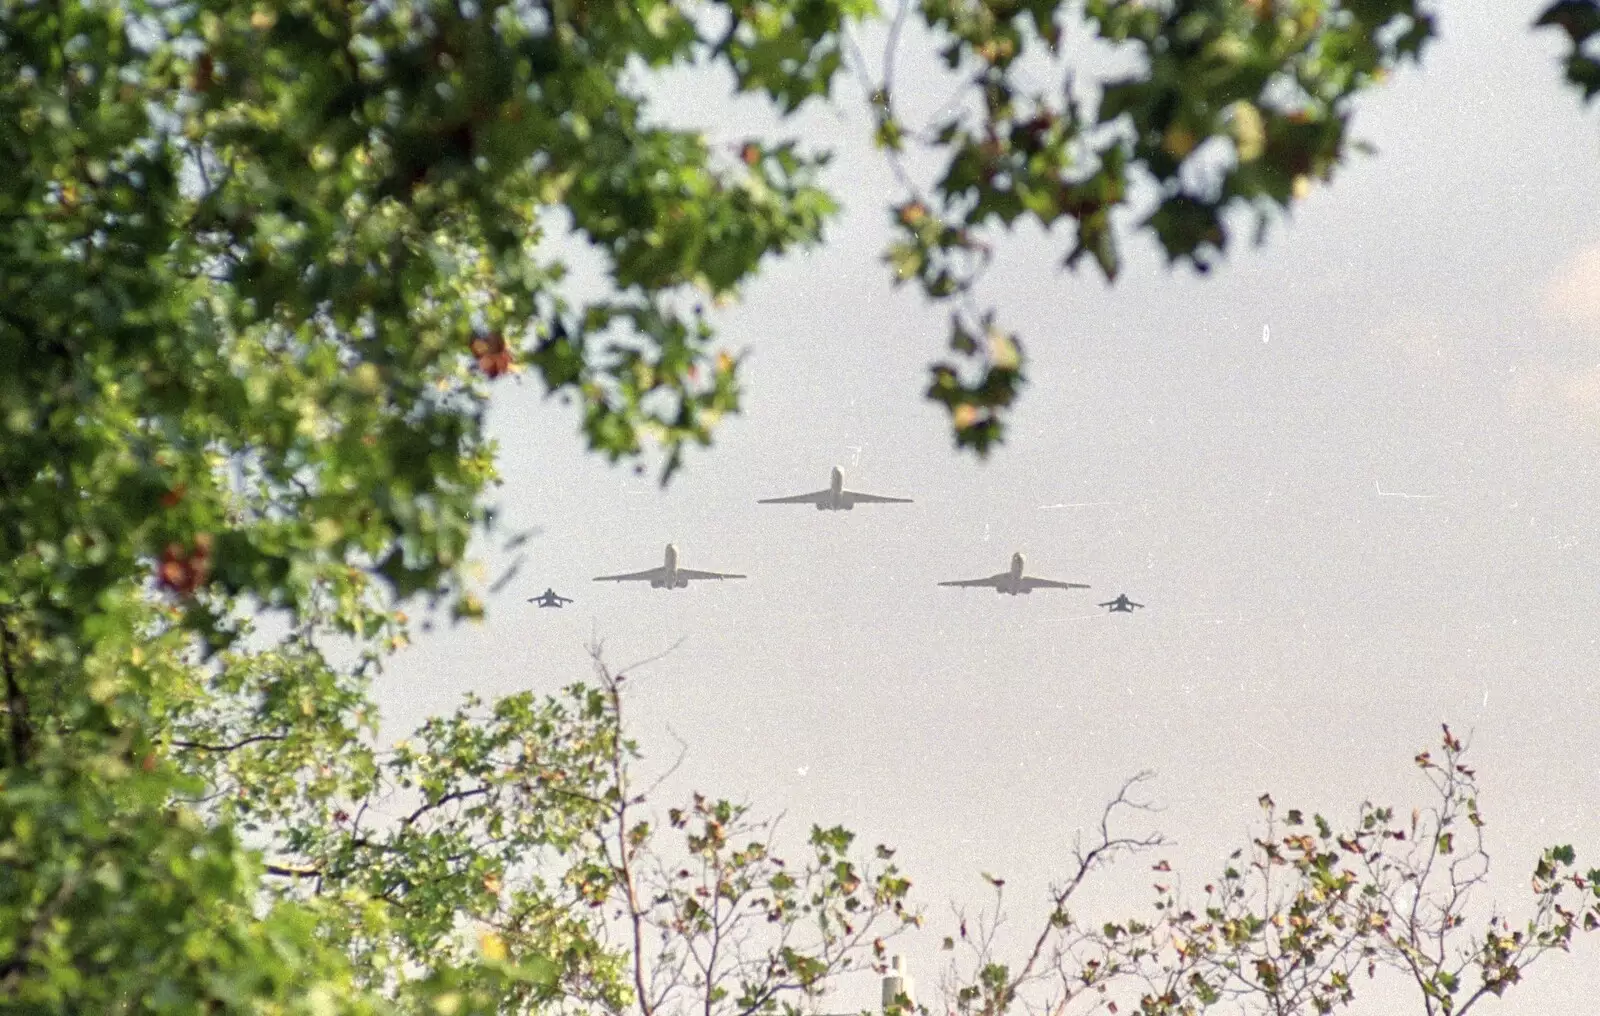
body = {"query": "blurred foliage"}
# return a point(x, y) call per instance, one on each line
point(1580, 19)
point(1236, 111)
point(1235, 106)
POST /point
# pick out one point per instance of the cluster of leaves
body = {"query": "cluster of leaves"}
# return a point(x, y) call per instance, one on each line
point(719, 923)
point(1580, 19)
point(742, 928)
point(1296, 916)
point(521, 821)
point(1235, 104)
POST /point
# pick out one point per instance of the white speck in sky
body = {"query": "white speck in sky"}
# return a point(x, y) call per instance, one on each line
point(1390, 493)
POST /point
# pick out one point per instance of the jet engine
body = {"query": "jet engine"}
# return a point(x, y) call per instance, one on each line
point(657, 584)
point(681, 584)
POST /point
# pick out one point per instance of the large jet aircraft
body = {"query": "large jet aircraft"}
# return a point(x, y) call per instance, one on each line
point(669, 575)
point(1122, 604)
point(836, 498)
point(1014, 582)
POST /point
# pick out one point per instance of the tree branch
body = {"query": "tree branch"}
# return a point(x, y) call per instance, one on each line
point(21, 730)
point(223, 748)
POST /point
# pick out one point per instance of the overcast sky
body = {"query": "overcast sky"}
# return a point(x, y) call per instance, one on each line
point(1380, 519)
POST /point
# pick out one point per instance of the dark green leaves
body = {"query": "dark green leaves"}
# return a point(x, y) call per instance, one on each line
point(1580, 19)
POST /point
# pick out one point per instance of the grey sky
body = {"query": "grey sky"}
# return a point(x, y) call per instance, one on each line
point(1434, 330)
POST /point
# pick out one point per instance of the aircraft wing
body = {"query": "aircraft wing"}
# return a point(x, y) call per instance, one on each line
point(993, 580)
point(812, 498)
point(861, 498)
point(638, 576)
point(1109, 603)
point(1029, 582)
point(689, 573)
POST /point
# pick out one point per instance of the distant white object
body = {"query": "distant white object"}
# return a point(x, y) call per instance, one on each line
point(897, 983)
point(1266, 333)
point(835, 498)
point(1014, 583)
point(1390, 493)
point(669, 575)
point(802, 769)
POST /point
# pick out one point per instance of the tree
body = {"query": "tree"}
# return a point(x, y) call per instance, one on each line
point(1293, 921)
point(258, 266)
point(524, 822)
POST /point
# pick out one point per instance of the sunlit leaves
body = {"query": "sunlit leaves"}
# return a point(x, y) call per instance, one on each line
point(758, 928)
point(789, 50)
point(1305, 914)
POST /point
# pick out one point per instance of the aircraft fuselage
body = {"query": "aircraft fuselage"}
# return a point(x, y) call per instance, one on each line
point(669, 568)
point(837, 500)
point(1013, 582)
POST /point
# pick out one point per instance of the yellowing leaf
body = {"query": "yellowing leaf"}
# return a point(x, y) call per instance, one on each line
point(492, 946)
point(1249, 132)
point(1003, 351)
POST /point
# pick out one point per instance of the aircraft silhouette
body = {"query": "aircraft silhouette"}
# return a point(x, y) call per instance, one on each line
point(669, 575)
point(1013, 582)
point(1122, 604)
point(835, 498)
point(548, 598)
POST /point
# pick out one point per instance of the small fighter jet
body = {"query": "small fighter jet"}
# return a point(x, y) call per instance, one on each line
point(1122, 604)
point(548, 598)
point(836, 498)
point(669, 575)
point(1013, 582)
